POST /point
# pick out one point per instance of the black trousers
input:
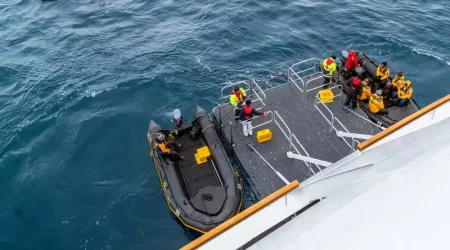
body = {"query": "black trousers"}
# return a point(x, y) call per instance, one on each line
point(383, 112)
point(347, 73)
point(351, 97)
point(237, 111)
point(326, 82)
point(380, 84)
point(173, 154)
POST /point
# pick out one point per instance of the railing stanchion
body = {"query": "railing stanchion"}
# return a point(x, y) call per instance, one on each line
point(220, 117)
point(332, 124)
point(231, 136)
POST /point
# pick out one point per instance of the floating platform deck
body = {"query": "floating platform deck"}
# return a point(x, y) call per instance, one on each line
point(300, 123)
point(195, 177)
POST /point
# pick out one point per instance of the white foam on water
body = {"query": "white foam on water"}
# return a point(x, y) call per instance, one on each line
point(426, 53)
point(201, 63)
point(94, 93)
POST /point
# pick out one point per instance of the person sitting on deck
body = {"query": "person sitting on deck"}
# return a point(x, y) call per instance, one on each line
point(328, 69)
point(393, 86)
point(403, 95)
point(246, 117)
point(398, 80)
point(236, 99)
point(376, 104)
point(382, 75)
point(365, 90)
point(353, 93)
point(351, 63)
point(168, 148)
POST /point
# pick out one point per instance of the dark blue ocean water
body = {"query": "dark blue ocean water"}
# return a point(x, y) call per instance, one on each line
point(80, 80)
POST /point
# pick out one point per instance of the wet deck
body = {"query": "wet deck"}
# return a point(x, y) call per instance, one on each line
point(306, 123)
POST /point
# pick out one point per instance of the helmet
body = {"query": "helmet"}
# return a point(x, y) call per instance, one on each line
point(378, 92)
point(161, 137)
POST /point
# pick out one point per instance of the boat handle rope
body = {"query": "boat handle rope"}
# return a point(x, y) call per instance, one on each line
point(209, 126)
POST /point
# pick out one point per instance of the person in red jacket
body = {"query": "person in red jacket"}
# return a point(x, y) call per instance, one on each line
point(351, 63)
point(353, 93)
point(246, 116)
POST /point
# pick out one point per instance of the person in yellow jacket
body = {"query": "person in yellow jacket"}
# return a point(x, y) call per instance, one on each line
point(382, 75)
point(403, 95)
point(376, 104)
point(365, 93)
point(396, 83)
point(328, 68)
point(237, 98)
point(398, 80)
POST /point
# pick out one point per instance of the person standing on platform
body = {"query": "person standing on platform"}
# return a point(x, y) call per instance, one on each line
point(353, 93)
point(236, 99)
point(246, 115)
point(328, 69)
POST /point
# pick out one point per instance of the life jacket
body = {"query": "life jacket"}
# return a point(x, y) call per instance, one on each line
point(163, 148)
point(376, 103)
point(366, 93)
point(398, 81)
point(382, 72)
point(328, 63)
point(248, 112)
point(405, 93)
point(355, 83)
point(352, 60)
point(238, 95)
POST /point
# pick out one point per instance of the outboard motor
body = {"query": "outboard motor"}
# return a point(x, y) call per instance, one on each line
point(178, 118)
point(343, 57)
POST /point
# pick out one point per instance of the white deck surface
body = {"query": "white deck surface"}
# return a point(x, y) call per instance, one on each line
point(401, 202)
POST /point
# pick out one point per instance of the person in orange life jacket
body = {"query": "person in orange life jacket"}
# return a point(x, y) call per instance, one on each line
point(168, 148)
point(236, 99)
point(353, 92)
point(328, 69)
point(246, 117)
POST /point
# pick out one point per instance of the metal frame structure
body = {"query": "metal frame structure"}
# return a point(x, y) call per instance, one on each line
point(333, 120)
point(295, 76)
point(250, 89)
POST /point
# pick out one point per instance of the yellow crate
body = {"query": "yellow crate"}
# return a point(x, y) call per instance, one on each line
point(202, 155)
point(326, 96)
point(264, 135)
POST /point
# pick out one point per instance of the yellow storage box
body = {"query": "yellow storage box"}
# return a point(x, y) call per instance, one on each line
point(202, 155)
point(264, 135)
point(326, 96)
